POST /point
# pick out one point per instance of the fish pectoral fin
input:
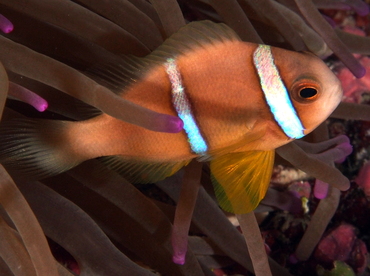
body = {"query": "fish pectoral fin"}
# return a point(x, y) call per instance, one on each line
point(142, 172)
point(240, 180)
point(253, 135)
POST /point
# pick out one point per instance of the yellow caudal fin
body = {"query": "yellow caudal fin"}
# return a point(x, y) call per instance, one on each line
point(240, 180)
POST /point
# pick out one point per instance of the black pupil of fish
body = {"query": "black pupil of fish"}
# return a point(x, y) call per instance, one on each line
point(307, 93)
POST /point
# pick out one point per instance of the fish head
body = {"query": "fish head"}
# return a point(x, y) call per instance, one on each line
point(313, 88)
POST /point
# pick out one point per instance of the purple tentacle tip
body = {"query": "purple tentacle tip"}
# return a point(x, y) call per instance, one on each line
point(178, 259)
point(359, 71)
point(5, 25)
point(42, 105)
point(321, 189)
point(347, 149)
point(293, 259)
point(175, 125)
point(27, 96)
point(362, 9)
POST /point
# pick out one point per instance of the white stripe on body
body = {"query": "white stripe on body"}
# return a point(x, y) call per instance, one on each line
point(183, 108)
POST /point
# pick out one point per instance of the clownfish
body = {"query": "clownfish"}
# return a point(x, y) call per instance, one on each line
point(238, 102)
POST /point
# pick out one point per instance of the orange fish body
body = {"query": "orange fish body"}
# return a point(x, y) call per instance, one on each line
point(226, 98)
point(223, 89)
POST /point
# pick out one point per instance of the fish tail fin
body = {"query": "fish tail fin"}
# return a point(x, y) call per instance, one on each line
point(35, 149)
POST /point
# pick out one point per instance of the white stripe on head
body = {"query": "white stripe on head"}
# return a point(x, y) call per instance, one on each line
point(276, 94)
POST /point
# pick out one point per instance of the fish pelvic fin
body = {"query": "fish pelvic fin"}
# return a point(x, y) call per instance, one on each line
point(35, 149)
point(240, 180)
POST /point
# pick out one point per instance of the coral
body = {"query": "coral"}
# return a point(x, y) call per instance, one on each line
point(341, 244)
point(363, 178)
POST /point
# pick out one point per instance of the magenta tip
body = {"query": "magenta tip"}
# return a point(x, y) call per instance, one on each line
point(41, 106)
point(360, 72)
point(166, 123)
point(293, 259)
point(347, 149)
point(362, 9)
point(340, 160)
point(321, 189)
point(5, 25)
point(27, 96)
point(175, 125)
point(180, 260)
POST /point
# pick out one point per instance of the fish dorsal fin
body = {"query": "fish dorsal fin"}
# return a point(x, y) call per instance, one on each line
point(192, 36)
point(128, 69)
point(142, 172)
point(240, 180)
point(84, 111)
point(120, 74)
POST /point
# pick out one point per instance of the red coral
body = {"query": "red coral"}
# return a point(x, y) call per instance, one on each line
point(363, 178)
point(354, 88)
point(358, 256)
point(341, 244)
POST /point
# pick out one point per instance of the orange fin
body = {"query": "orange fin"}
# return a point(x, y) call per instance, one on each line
point(240, 180)
point(141, 171)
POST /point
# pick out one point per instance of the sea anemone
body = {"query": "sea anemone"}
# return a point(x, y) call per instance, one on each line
point(92, 219)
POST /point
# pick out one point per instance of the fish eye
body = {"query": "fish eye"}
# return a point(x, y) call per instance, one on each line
point(305, 90)
point(308, 93)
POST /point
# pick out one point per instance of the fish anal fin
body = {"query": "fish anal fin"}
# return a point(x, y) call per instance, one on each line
point(142, 172)
point(241, 179)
